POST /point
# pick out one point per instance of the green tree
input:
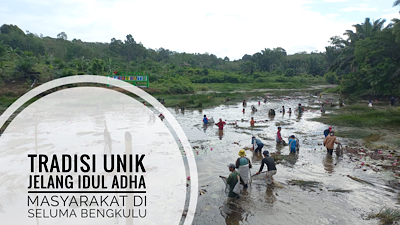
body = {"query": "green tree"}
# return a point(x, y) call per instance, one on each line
point(331, 78)
point(97, 66)
point(346, 48)
point(25, 66)
point(13, 52)
point(62, 36)
point(290, 72)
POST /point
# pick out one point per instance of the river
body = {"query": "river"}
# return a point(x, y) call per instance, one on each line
point(262, 204)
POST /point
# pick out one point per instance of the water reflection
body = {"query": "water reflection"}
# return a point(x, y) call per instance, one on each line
point(220, 134)
point(260, 196)
point(328, 163)
point(256, 157)
point(279, 147)
point(292, 158)
point(270, 196)
point(299, 115)
point(232, 213)
point(205, 126)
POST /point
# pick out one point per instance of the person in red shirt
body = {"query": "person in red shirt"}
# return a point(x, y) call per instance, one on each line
point(279, 139)
point(220, 124)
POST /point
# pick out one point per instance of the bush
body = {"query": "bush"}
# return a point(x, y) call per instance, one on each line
point(290, 72)
point(67, 72)
point(281, 79)
point(331, 78)
point(203, 88)
point(261, 80)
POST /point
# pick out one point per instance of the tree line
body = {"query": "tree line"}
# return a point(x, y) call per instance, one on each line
point(367, 61)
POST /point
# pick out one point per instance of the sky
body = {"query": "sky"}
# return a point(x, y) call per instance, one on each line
point(223, 28)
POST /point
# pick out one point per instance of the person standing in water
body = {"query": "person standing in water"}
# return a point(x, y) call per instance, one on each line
point(322, 108)
point(283, 109)
point(329, 142)
point(327, 131)
point(220, 124)
point(269, 161)
point(279, 139)
point(205, 120)
point(290, 110)
point(300, 109)
point(232, 180)
point(243, 165)
point(244, 103)
point(252, 122)
point(293, 144)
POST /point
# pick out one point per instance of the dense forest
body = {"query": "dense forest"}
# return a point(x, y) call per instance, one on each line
point(367, 62)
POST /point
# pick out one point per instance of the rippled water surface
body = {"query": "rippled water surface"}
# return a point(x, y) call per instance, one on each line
point(262, 204)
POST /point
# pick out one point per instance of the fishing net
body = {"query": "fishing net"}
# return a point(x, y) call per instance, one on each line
point(227, 188)
point(339, 150)
point(237, 189)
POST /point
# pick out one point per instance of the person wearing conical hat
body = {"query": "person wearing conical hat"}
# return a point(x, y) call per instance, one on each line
point(243, 165)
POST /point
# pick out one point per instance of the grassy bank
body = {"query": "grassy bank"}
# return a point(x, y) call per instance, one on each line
point(363, 117)
point(204, 100)
point(375, 127)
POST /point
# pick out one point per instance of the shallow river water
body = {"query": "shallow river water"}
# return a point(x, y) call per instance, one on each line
point(260, 204)
point(263, 204)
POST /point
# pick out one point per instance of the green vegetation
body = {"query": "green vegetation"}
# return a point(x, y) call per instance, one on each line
point(28, 58)
point(354, 133)
point(363, 116)
point(304, 183)
point(366, 63)
point(386, 216)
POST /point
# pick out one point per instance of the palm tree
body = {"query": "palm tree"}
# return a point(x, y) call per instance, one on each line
point(13, 52)
point(347, 47)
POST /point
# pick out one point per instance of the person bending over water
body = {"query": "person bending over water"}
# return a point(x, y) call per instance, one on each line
point(232, 180)
point(258, 143)
point(269, 161)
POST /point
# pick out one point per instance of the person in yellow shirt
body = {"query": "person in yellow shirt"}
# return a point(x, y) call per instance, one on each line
point(329, 142)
